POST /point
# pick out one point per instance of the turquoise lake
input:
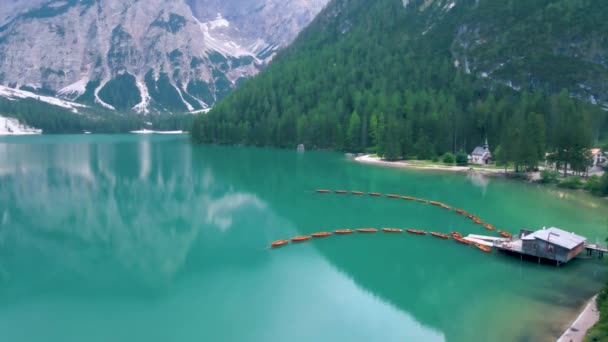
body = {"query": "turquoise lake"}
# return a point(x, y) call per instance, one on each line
point(151, 238)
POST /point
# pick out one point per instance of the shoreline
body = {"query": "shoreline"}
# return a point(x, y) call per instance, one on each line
point(367, 159)
point(577, 330)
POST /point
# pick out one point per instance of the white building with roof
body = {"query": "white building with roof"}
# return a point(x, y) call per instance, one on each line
point(481, 155)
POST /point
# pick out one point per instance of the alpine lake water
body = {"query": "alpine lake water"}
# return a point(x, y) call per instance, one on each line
point(151, 238)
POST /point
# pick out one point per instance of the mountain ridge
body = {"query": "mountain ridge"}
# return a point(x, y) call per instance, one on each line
point(141, 50)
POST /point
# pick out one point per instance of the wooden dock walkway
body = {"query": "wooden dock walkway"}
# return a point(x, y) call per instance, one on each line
point(479, 241)
point(590, 248)
point(485, 237)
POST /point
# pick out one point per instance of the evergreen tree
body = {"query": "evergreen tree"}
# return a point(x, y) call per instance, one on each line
point(353, 134)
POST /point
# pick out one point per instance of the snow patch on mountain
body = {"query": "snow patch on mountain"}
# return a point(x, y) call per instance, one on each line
point(98, 100)
point(74, 90)
point(181, 96)
point(12, 126)
point(220, 42)
point(14, 94)
point(143, 106)
point(218, 22)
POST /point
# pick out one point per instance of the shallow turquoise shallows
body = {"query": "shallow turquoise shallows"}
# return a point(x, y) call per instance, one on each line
point(149, 238)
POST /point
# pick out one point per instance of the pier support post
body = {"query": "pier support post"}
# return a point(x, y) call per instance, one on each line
point(539, 260)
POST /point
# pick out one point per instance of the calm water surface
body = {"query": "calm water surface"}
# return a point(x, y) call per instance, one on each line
point(143, 238)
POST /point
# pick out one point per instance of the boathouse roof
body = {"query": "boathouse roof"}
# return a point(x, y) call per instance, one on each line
point(557, 236)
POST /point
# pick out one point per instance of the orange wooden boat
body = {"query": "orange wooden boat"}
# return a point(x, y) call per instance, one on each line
point(478, 221)
point(416, 231)
point(489, 226)
point(340, 191)
point(436, 203)
point(440, 235)
point(320, 234)
point(505, 234)
point(300, 238)
point(422, 200)
point(456, 234)
point(463, 241)
point(408, 198)
point(471, 216)
point(392, 196)
point(376, 194)
point(367, 230)
point(357, 192)
point(343, 231)
point(323, 191)
point(483, 247)
point(445, 206)
point(460, 211)
point(392, 230)
point(279, 243)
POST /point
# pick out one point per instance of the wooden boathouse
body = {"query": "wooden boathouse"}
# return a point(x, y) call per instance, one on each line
point(552, 244)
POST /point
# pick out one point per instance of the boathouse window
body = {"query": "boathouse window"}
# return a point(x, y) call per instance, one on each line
point(550, 249)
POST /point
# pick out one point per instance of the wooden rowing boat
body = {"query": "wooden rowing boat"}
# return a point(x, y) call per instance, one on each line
point(367, 230)
point(340, 191)
point(483, 247)
point(357, 192)
point(489, 226)
point(463, 241)
point(376, 194)
point(343, 231)
point(323, 191)
point(392, 230)
point(436, 203)
point(408, 198)
point(416, 231)
point(478, 221)
point(456, 234)
point(392, 196)
point(505, 234)
point(445, 206)
point(440, 235)
point(460, 211)
point(279, 243)
point(422, 200)
point(320, 234)
point(300, 238)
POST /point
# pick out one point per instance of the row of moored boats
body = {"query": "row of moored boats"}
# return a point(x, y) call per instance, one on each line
point(457, 236)
point(474, 218)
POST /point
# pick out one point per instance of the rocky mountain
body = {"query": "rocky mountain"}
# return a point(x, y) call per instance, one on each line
point(143, 56)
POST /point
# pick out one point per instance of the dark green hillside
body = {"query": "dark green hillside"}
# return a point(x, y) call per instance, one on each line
point(415, 82)
point(121, 92)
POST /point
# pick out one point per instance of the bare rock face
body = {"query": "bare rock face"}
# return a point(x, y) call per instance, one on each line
point(153, 55)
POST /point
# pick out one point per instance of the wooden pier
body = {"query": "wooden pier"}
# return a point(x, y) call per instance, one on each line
point(591, 248)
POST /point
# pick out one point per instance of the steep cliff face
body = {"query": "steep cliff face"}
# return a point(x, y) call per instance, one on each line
point(143, 56)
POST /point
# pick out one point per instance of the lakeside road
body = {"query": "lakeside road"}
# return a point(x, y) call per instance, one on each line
point(586, 319)
point(368, 159)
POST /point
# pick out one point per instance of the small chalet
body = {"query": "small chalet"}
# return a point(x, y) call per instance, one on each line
point(481, 155)
point(552, 243)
